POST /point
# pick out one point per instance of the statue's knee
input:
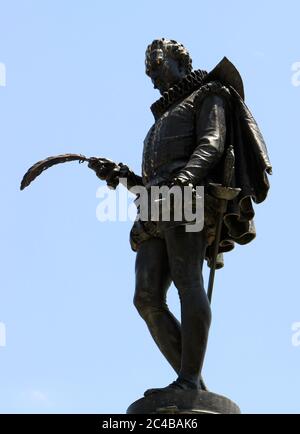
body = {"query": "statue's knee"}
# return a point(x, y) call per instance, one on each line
point(194, 300)
point(141, 304)
point(146, 304)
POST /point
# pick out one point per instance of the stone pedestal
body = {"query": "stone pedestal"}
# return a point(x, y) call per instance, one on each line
point(183, 402)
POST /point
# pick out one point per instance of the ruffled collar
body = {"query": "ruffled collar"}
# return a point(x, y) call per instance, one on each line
point(183, 88)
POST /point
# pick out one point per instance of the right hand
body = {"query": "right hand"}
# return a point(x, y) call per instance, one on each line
point(106, 170)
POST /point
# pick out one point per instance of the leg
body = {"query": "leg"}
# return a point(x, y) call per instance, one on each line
point(152, 282)
point(186, 252)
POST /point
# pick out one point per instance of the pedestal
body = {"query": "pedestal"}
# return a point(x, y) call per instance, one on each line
point(183, 402)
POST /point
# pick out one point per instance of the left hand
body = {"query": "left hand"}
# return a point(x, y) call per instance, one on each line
point(181, 179)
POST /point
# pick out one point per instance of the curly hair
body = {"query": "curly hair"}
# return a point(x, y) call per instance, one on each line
point(172, 48)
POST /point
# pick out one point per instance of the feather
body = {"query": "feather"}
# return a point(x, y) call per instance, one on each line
point(42, 165)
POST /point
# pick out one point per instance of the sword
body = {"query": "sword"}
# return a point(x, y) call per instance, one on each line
point(223, 193)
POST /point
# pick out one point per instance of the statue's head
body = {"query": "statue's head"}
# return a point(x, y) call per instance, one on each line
point(167, 62)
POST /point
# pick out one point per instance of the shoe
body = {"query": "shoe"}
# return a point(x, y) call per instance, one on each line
point(179, 384)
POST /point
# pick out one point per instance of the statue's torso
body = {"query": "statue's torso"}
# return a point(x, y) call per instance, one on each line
point(169, 142)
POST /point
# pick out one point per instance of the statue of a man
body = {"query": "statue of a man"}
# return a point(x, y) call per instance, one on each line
point(197, 117)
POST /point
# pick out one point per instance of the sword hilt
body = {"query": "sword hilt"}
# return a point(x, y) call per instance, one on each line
point(223, 191)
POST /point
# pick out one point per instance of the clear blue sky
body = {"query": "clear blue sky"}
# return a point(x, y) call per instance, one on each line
point(75, 82)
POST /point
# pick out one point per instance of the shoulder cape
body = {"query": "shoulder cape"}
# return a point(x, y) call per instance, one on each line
point(252, 163)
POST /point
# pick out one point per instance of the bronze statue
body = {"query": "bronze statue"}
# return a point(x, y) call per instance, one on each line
point(198, 119)
point(203, 134)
